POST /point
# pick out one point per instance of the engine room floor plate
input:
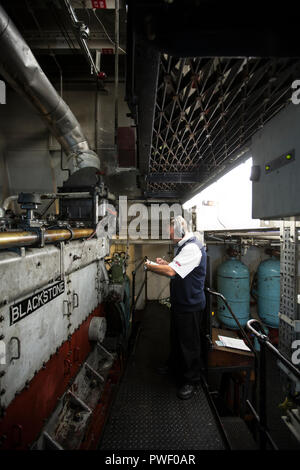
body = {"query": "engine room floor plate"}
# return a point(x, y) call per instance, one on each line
point(147, 414)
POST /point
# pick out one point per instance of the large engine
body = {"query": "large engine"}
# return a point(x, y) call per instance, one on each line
point(53, 284)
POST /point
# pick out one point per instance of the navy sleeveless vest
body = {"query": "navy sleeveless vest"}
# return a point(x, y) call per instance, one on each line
point(187, 295)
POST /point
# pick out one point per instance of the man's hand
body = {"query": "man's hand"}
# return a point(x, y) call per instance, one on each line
point(161, 261)
point(164, 269)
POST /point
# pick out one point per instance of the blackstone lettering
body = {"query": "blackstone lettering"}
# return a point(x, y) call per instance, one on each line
point(23, 308)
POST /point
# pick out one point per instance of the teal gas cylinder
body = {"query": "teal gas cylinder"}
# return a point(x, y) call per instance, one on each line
point(233, 282)
point(268, 291)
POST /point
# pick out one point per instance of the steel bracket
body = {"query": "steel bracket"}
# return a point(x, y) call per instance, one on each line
point(290, 375)
point(293, 323)
point(94, 372)
point(292, 420)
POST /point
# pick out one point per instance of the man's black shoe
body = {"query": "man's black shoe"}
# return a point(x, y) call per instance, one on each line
point(186, 391)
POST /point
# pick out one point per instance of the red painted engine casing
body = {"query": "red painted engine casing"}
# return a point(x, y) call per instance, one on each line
point(28, 412)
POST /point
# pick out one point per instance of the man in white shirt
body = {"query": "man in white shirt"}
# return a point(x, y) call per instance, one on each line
point(187, 272)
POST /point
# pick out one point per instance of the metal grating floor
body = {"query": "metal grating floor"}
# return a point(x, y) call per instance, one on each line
point(146, 414)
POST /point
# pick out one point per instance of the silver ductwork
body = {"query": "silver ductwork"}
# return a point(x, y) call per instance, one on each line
point(20, 69)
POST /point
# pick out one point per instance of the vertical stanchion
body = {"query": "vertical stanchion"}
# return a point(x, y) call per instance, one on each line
point(132, 298)
point(146, 290)
point(117, 38)
point(262, 397)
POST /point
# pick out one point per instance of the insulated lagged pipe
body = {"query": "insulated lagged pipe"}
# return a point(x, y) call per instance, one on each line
point(20, 69)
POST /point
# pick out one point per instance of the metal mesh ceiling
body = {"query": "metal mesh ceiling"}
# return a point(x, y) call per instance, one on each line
point(208, 108)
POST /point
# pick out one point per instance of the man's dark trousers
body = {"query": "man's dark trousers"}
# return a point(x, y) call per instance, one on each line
point(185, 342)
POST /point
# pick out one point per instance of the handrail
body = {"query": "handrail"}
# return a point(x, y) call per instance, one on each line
point(261, 418)
point(139, 265)
point(264, 339)
point(139, 293)
point(144, 283)
point(262, 428)
point(244, 334)
point(263, 431)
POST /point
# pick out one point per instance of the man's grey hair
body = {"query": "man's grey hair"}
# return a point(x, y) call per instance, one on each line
point(180, 224)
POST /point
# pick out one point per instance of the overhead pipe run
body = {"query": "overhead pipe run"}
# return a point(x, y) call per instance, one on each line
point(16, 239)
point(82, 33)
point(20, 69)
point(259, 233)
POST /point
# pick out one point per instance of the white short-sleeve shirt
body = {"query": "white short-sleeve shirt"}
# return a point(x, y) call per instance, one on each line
point(188, 258)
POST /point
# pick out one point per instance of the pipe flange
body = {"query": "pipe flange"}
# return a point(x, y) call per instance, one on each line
point(71, 232)
point(40, 231)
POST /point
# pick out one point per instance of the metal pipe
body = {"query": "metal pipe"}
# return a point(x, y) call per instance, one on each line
point(82, 33)
point(96, 115)
point(218, 294)
point(139, 265)
point(133, 290)
point(254, 233)
point(146, 286)
point(73, 195)
point(139, 293)
point(263, 339)
point(264, 345)
point(20, 69)
point(144, 283)
point(244, 230)
point(117, 8)
point(253, 411)
point(61, 95)
point(24, 238)
point(120, 241)
point(262, 397)
point(7, 201)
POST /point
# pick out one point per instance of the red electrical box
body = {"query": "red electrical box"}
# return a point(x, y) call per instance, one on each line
point(126, 147)
point(99, 4)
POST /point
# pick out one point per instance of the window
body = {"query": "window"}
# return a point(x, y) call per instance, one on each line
point(227, 204)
